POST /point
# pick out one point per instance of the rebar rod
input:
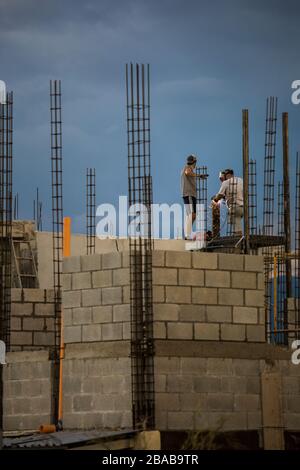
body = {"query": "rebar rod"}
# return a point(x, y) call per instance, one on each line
point(90, 210)
point(57, 225)
point(140, 244)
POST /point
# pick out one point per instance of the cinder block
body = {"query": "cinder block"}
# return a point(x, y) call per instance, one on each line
point(82, 315)
point(111, 260)
point(16, 295)
point(113, 384)
point(260, 281)
point(254, 263)
point(256, 333)
point(160, 383)
point(111, 295)
point(21, 338)
point(112, 419)
point(81, 281)
point(67, 281)
point(126, 294)
point(121, 277)
point(91, 333)
point(191, 277)
point(255, 298)
point(167, 365)
point(167, 401)
point(246, 367)
point(50, 295)
point(219, 366)
point(72, 334)
point(112, 331)
point(71, 264)
point(121, 313)
point(254, 420)
point(82, 402)
point(207, 331)
point(102, 314)
point(231, 297)
point(217, 278)
point(126, 333)
point(180, 330)
point(247, 402)
point(191, 312)
point(291, 385)
point(31, 324)
point(231, 262)
point(43, 338)
point(178, 259)
point(166, 312)
point(204, 260)
point(91, 262)
point(45, 310)
point(193, 365)
point(253, 385)
point(204, 295)
point(262, 316)
point(229, 421)
point(102, 278)
point(178, 295)
point(22, 309)
point(292, 421)
point(165, 276)
point(159, 330)
point(103, 402)
point(216, 313)
point(233, 332)
point(15, 323)
point(67, 314)
point(158, 258)
point(90, 298)
point(181, 420)
point(125, 259)
point(220, 401)
point(245, 315)
point(34, 295)
point(232, 384)
point(71, 299)
point(49, 324)
point(243, 280)
point(158, 294)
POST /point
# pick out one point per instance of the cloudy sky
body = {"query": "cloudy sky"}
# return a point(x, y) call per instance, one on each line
point(208, 59)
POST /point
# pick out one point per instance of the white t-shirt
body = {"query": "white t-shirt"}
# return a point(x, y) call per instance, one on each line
point(232, 190)
point(2, 92)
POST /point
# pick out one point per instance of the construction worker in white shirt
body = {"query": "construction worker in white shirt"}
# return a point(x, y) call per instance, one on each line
point(232, 191)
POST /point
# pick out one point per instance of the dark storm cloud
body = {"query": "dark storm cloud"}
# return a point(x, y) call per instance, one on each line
point(208, 60)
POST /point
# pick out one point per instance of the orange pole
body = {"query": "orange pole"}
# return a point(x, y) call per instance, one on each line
point(66, 252)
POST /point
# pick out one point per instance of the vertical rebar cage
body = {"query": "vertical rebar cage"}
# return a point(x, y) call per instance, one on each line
point(57, 224)
point(90, 210)
point(140, 244)
point(6, 148)
point(201, 187)
point(297, 247)
point(268, 203)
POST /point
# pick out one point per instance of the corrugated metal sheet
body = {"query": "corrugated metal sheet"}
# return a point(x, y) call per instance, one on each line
point(63, 439)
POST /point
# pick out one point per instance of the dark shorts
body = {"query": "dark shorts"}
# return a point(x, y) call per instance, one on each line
point(190, 203)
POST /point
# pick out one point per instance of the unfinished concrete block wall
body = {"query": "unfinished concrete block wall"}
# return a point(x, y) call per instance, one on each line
point(196, 296)
point(97, 365)
point(208, 296)
point(26, 390)
point(97, 386)
point(32, 319)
